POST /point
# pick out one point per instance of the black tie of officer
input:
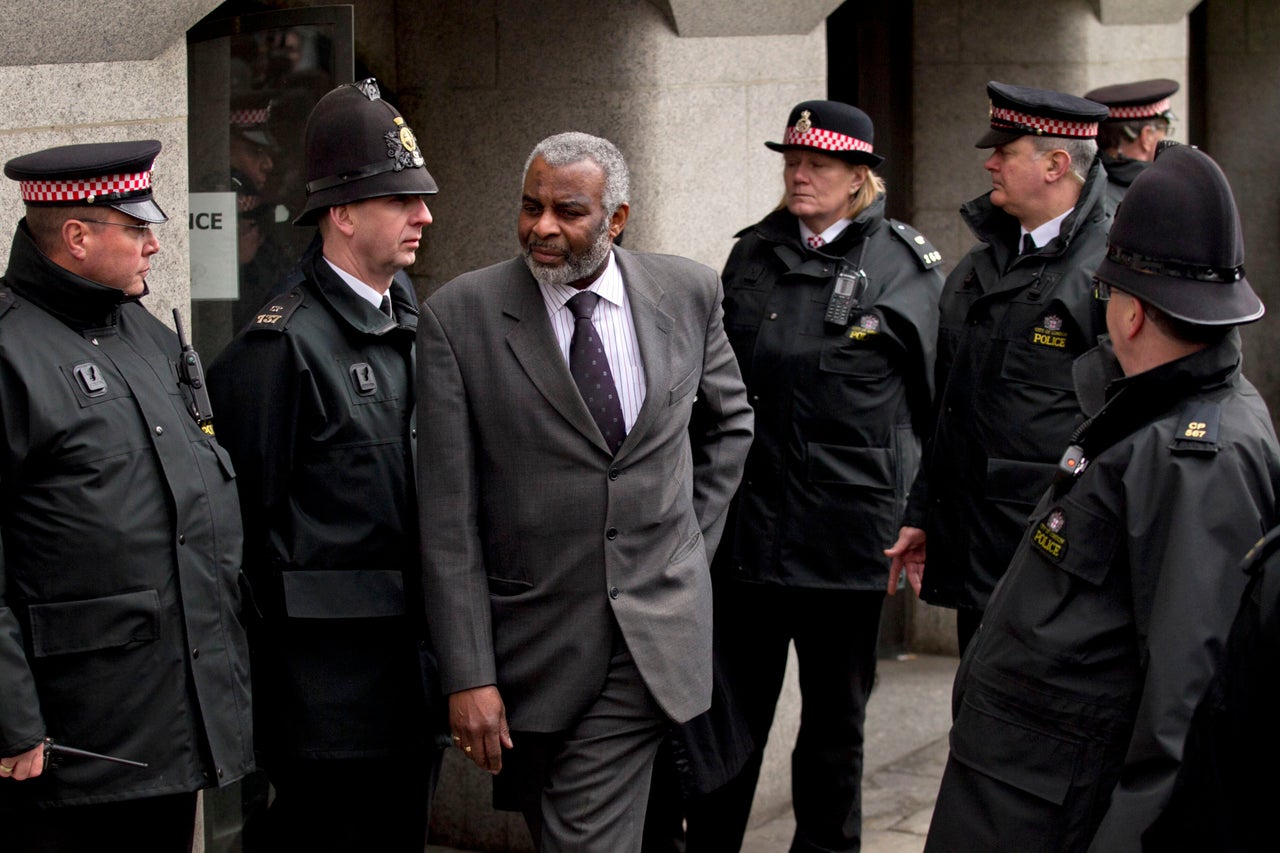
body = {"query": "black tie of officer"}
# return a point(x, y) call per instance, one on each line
point(590, 369)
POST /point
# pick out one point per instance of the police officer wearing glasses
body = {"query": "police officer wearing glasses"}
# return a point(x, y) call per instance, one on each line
point(1073, 701)
point(120, 628)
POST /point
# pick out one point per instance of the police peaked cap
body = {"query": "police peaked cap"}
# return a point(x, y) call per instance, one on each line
point(1176, 242)
point(358, 146)
point(1136, 101)
point(107, 174)
point(833, 128)
point(1022, 111)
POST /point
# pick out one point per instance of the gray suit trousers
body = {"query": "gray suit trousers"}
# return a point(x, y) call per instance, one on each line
point(585, 790)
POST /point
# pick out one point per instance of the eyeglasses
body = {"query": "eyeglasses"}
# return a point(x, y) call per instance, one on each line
point(1101, 290)
point(140, 229)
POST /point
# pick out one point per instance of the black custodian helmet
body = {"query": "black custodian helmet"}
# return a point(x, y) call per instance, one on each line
point(1176, 242)
point(358, 146)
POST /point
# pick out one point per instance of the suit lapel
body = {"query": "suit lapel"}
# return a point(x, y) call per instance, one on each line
point(534, 345)
point(653, 333)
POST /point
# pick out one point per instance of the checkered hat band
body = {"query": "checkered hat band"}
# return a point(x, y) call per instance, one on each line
point(1003, 118)
point(78, 190)
point(248, 118)
point(1140, 111)
point(825, 140)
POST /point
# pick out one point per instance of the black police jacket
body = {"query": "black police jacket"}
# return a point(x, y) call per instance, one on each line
point(1011, 326)
point(315, 403)
point(1226, 786)
point(838, 406)
point(1095, 648)
point(120, 626)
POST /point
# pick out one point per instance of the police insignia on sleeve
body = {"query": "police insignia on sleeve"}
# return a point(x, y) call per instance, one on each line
point(1048, 538)
point(1050, 333)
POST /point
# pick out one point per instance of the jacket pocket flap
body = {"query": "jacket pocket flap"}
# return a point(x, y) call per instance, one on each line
point(1016, 481)
point(1079, 542)
point(868, 467)
point(90, 625)
point(685, 387)
point(1004, 748)
point(354, 594)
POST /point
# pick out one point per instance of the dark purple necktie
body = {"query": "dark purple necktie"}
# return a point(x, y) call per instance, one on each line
point(590, 371)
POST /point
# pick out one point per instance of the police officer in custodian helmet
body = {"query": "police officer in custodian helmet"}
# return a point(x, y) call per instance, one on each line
point(316, 402)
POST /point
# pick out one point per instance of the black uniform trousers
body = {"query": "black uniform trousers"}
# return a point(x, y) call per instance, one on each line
point(148, 825)
point(348, 804)
point(835, 633)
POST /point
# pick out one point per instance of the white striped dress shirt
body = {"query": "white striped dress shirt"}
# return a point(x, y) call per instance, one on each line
point(617, 331)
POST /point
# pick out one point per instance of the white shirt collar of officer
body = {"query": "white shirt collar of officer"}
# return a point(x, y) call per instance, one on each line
point(364, 291)
point(1046, 232)
point(829, 235)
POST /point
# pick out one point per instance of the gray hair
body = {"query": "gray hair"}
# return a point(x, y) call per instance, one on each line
point(1081, 151)
point(564, 149)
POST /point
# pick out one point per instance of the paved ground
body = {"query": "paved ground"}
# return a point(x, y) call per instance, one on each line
point(907, 722)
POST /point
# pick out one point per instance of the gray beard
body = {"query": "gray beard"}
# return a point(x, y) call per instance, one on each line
point(575, 267)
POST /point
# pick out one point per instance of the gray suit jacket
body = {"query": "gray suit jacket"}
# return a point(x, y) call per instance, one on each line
point(535, 538)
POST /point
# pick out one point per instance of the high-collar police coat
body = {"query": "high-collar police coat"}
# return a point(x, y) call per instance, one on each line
point(1011, 326)
point(1121, 172)
point(120, 627)
point(315, 403)
point(838, 406)
point(1073, 700)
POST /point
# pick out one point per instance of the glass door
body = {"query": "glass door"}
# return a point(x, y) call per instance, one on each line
point(252, 80)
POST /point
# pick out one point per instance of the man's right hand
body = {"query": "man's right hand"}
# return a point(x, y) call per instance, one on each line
point(907, 553)
point(27, 765)
point(479, 723)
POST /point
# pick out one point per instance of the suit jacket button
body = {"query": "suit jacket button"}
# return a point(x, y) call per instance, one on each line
point(611, 533)
point(613, 592)
point(613, 473)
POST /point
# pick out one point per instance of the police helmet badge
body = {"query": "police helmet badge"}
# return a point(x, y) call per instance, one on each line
point(402, 146)
point(803, 124)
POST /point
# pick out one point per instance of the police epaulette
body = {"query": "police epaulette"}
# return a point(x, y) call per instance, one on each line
point(918, 243)
point(276, 313)
point(1197, 429)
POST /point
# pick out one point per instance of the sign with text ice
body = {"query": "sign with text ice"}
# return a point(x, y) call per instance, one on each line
point(214, 271)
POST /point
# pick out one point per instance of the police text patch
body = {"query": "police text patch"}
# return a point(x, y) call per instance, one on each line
point(1047, 537)
point(1050, 333)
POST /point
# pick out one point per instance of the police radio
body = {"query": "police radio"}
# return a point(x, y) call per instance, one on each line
point(846, 295)
point(191, 374)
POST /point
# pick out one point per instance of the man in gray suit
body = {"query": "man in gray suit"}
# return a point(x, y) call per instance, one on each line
point(575, 466)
